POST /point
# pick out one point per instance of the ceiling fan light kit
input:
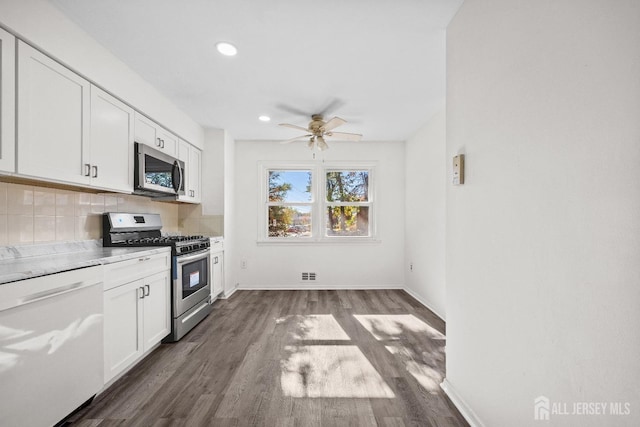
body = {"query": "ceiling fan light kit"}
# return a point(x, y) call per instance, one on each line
point(318, 130)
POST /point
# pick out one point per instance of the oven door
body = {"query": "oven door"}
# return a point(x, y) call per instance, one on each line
point(192, 281)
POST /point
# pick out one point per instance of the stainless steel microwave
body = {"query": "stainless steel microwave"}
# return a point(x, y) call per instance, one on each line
point(157, 174)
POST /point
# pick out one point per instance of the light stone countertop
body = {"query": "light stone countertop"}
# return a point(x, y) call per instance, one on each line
point(26, 262)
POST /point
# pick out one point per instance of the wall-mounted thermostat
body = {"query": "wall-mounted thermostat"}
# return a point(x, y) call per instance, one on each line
point(458, 169)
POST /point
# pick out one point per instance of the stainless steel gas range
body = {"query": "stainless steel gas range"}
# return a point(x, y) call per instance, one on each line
point(191, 290)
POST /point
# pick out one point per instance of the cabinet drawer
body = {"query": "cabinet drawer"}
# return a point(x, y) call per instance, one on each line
point(119, 273)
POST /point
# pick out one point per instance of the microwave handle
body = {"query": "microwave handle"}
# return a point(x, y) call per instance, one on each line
point(178, 185)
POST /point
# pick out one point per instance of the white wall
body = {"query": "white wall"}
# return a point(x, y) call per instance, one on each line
point(337, 265)
point(213, 172)
point(42, 24)
point(425, 175)
point(543, 240)
point(231, 264)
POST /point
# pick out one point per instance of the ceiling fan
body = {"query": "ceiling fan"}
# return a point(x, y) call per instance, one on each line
point(318, 130)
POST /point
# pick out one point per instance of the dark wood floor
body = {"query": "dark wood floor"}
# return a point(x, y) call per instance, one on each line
point(291, 358)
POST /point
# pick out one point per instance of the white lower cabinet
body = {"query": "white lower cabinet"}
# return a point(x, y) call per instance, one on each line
point(157, 309)
point(137, 314)
point(217, 267)
point(122, 322)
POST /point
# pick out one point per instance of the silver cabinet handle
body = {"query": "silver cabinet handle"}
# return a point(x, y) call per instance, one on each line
point(95, 171)
point(141, 292)
point(163, 143)
point(148, 290)
point(215, 260)
point(87, 170)
point(144, 259)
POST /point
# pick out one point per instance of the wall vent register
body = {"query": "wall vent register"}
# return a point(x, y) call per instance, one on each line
point(308, 276)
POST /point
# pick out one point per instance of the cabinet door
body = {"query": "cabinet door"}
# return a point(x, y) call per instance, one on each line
point(146, 131)
point(7, 102)
point(183, 151)
point(152, 134)
point(53, 107)
point(183, 154)
point(195, 159)
point(111, 142)
point(168, 142)
point(217, 274)
point(157, 309)
point(122, 321)
point(192, 158)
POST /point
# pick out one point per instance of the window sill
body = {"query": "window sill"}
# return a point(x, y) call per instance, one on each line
point(297, 241)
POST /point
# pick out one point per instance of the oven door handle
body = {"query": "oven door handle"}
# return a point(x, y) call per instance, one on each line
point(196, 256)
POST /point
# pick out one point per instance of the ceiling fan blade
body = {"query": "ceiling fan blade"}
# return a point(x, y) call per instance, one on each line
point(297, 138)
point(345, 136)
point(334, 123)
point(332, 106)
point(292, 110)
point(287, 125)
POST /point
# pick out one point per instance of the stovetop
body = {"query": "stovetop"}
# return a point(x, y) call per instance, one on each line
point(163, 240)
point(137, 230)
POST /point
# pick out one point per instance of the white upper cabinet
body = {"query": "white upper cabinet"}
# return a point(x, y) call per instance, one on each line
point(195, 163)
point(7, 102)
point(111, 142)
point(53, 104)
point(69, 130)
point(152, 134)
point(192, 158)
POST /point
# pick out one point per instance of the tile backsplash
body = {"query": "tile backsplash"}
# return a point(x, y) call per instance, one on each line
point(33, 214)
point(192, 221)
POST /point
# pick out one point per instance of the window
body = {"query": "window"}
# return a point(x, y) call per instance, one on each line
point(289, 203)
point(347, 203)
point(317, 203)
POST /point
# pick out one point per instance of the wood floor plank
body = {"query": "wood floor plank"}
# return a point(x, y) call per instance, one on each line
point(291, 358)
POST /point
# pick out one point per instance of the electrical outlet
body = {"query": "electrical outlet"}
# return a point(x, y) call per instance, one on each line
point(410, 266)
point(243, 264)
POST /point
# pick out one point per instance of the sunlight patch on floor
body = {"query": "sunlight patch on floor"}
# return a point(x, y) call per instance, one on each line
point(331, 371)
point(427, 377)
point(392, 326)
point(316, 327)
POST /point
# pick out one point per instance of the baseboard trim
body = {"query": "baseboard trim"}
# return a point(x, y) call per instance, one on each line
point(225, 295)
point(317, 288)
point(423, 302)
point(462, 406)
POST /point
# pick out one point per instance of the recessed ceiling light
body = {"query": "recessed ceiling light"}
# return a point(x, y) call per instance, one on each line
point(264, 118)
point(227, 49)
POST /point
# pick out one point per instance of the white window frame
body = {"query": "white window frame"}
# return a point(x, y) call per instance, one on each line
point(319, 204)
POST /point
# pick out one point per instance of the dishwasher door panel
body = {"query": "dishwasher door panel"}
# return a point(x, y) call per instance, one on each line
point(51, 346)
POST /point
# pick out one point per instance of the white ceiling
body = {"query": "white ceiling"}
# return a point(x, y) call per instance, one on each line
point(380, 62)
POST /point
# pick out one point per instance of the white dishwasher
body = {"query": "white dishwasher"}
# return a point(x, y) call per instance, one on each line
point(51, 346)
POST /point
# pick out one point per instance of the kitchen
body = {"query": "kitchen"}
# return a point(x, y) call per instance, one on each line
point(323, 277)
point(117, 199)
